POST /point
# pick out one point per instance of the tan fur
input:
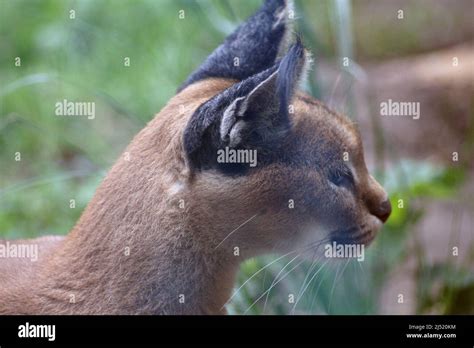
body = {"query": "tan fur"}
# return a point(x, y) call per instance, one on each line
point(174, 250)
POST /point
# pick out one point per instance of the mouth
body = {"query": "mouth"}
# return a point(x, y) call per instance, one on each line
point(354, 235)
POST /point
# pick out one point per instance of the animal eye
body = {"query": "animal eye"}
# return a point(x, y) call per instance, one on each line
point(342, 178)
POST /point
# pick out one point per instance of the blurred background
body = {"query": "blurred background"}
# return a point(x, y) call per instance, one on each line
point(365, 52)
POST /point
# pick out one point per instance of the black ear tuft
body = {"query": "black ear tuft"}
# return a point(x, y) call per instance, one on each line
point(251, 48)
point(289, 73)
point(250, 114)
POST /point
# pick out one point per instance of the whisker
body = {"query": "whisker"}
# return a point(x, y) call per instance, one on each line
point(267, 291)
point(314, 245)
point(302, 249)
point(308, 272)
point(311, 245)
point(235, 230)
point(306, 287)
point(335, 282)
point(316, 294)
point(274, 281)
point(359, 285)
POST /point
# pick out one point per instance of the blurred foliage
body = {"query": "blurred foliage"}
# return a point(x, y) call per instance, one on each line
point(64, 158)
point(83, 59)
point(445, 289)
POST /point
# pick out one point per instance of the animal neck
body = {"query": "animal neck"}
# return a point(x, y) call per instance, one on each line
point(138, 251)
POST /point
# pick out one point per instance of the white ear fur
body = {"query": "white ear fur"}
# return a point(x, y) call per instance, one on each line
point(235, 136)
point(289, 16)
point(308, 65)
point(229, 119)
point(231, 128)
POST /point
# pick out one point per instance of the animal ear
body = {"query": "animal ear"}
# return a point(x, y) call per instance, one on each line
point(251, 114)
point(251, 48)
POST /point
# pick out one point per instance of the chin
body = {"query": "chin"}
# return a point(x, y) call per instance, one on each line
point(363, 233)
point(369, 232)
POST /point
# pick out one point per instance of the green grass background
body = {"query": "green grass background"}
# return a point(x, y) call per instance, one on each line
point(65, 158)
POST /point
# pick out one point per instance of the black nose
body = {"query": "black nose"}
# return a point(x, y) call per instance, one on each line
point(383, 211)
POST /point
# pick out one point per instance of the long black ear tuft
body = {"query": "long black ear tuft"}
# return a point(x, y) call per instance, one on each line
point(251, 48)
point(292, 65)
point(251, 114)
